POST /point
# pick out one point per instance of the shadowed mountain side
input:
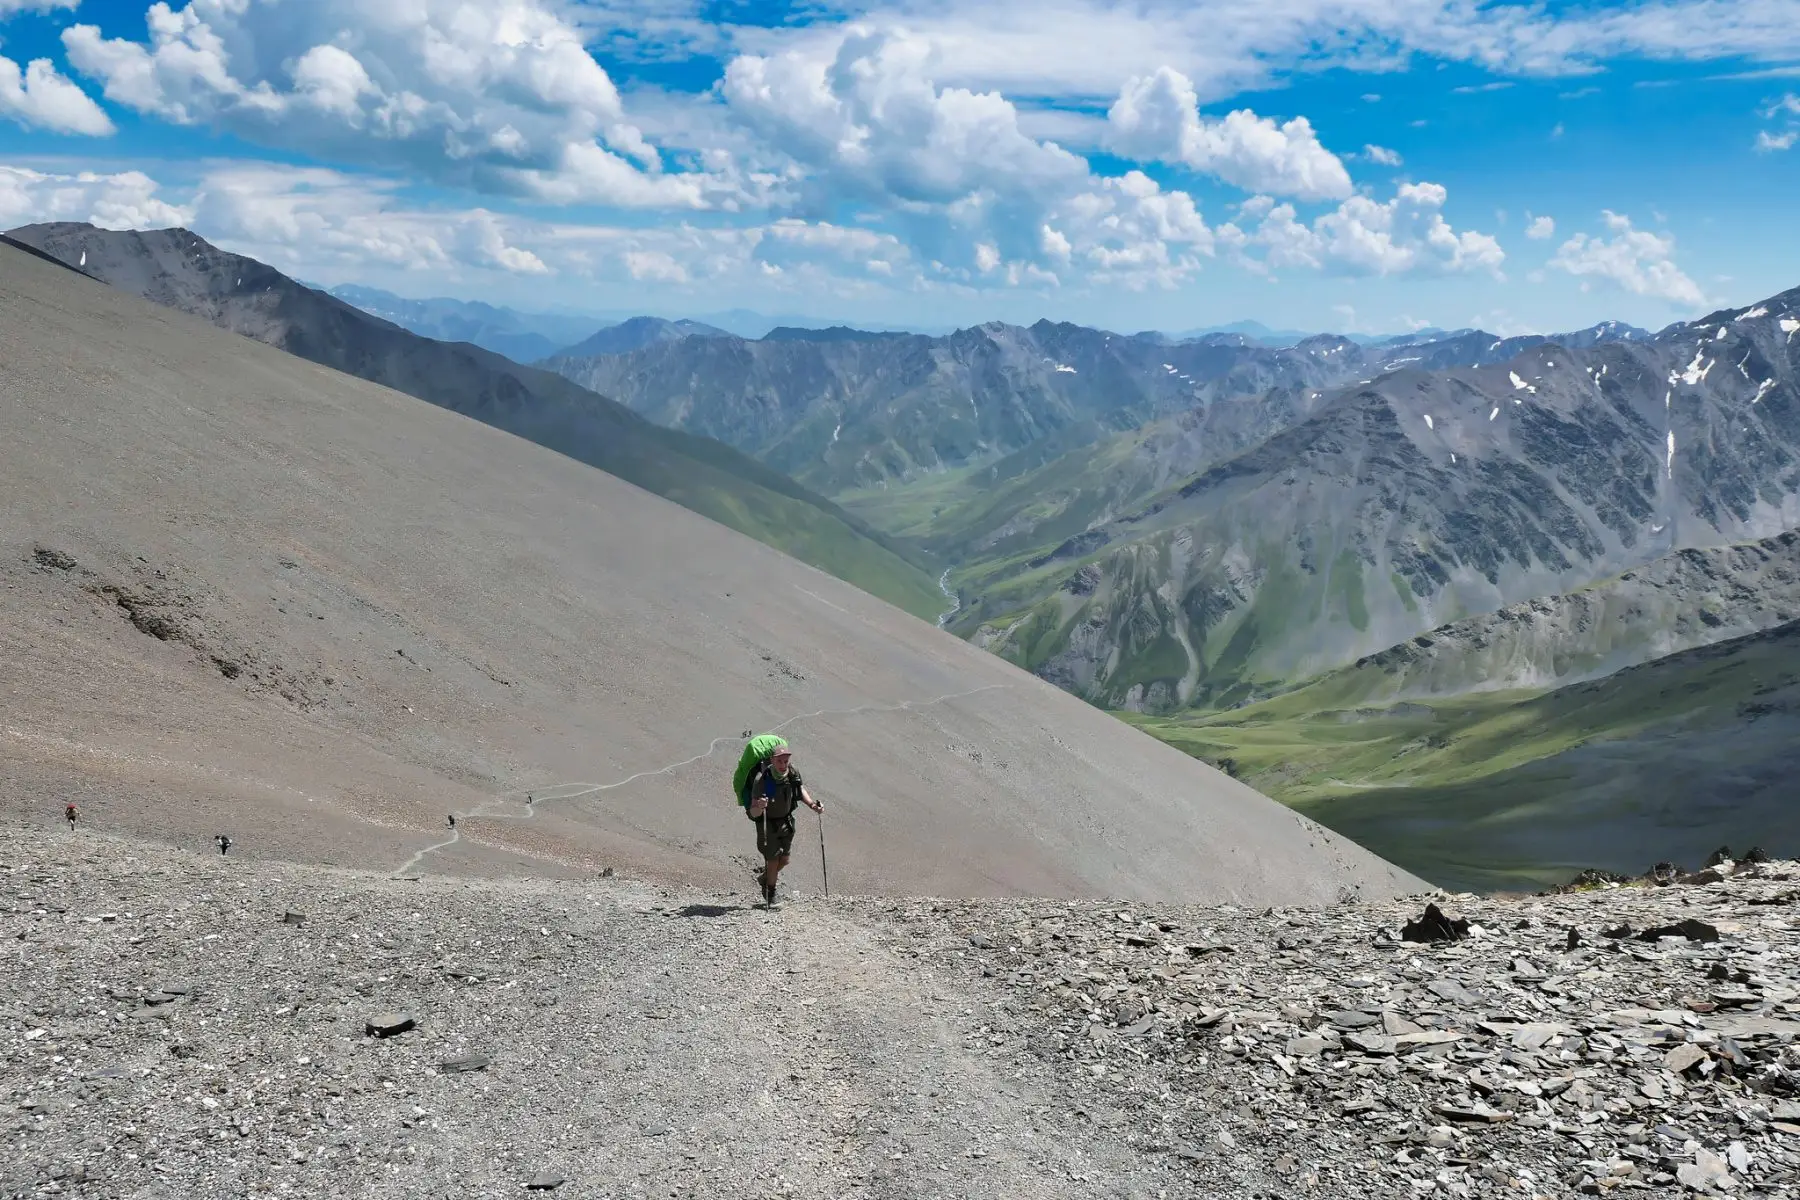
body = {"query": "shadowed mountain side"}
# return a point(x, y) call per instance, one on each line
point(241, 592)
point(1657, 762)
point(179, 270)
point(1689, 598)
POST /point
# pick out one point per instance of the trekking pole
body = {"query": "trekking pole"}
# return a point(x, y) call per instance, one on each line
point(823, 868)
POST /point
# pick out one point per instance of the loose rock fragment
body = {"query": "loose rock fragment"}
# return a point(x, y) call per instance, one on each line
point(1692, 930)
point(1433, 926)
point(1682, 1058)
point(385, 1025)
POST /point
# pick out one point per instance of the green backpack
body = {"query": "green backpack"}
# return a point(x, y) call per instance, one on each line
point(756, 750)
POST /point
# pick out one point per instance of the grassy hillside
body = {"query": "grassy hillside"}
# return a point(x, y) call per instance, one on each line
point(1664, 760)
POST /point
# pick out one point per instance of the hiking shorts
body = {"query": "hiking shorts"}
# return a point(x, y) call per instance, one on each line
point(774, 838)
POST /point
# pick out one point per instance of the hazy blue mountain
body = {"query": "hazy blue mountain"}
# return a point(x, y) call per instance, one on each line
point(520, 336)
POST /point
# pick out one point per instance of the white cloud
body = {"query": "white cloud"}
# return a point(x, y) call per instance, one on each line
point(301, 219)
point(126, 200)
point(499, 95)
point(10, 7)
point(1788, 106)
point(1382, 155)
point(1498, 85)
point(1130, 232)
point(1406, 235)
point(872, 118)
point(654, 266)
point(40, 98)
point(975, 198)
point(1541, 228)
point(1635, 259)
point(1156, 118)
point(1083, 48)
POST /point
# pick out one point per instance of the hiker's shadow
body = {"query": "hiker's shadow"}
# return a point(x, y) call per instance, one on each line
point(708, 910)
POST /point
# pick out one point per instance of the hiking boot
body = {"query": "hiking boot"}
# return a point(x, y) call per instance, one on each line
point(768, 890)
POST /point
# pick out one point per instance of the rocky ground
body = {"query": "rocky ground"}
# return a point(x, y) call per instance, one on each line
point(174, 1024)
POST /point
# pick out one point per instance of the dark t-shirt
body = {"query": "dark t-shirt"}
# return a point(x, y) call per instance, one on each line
point(783, 791)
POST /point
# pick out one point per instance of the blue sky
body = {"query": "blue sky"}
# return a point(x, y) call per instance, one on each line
point(1321, 164)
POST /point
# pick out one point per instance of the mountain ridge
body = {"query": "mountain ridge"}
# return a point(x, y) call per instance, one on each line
point(1596, 469)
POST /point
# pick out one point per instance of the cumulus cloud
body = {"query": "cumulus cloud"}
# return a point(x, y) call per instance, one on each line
point(10, 7)
point(500, 95)
point(125, 200)
point(303, 218)
point(1541, 228)
point(973, 195)
point(1635, 259)
point(1405, 235)
point(874, 119)
point(40, 98)
point(1767, 142)
point(1382, 155)
point(1157, 119)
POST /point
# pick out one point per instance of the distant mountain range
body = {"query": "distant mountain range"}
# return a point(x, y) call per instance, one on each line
point(526, 337)
point(1373, 512)
point(843, 409)
point(177, 269)
point(520, 336)
point(637, 333)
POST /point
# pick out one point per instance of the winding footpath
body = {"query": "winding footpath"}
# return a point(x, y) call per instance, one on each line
point(496, 808)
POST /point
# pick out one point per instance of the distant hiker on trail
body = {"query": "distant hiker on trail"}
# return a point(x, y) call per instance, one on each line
point(224, 844)
point(769, 786)
point(453, 820)
point(69, 812)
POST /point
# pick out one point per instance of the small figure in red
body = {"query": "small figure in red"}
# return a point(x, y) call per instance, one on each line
point(70, 813)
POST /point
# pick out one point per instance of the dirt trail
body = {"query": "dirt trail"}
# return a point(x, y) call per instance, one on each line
point(525, 801)
point(642, 1041)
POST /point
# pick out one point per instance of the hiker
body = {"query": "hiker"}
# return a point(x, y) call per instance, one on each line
point(453, 820)
point(224, 844)
point(770, 794)
point(69, 812)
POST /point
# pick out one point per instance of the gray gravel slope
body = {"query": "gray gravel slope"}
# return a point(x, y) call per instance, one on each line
point(166, 1035)
point(242, 592)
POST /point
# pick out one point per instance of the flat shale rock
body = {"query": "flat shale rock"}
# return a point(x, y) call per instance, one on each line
point(388, 1024)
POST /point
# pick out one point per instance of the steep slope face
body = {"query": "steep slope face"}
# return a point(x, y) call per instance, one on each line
point(846, 412)
point(522, 337)
point(634, 334)
point(1690, 598)
point(1411, 501)
point(245, 593)
point(176, 269)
